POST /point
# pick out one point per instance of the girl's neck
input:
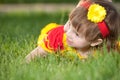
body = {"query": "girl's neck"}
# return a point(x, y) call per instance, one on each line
point(84, 52)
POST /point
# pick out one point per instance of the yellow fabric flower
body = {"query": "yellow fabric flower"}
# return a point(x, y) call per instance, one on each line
point(96, 13)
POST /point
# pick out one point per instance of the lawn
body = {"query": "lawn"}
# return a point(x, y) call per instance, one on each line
point(18, 36)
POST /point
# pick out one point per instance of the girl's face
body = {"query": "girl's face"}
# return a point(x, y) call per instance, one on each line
point(75, 39)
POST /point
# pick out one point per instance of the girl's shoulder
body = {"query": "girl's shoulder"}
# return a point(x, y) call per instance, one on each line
point(51, 37)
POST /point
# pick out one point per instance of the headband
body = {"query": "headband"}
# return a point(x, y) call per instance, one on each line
point(97, 13)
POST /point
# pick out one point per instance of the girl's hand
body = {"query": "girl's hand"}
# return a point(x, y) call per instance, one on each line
point(37, 52)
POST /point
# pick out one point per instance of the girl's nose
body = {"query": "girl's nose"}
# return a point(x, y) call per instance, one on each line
point(66, 27)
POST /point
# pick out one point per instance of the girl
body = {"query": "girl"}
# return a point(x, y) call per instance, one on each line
point(90, 25)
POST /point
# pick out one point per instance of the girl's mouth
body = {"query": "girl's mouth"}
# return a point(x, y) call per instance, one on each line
point(69, 41)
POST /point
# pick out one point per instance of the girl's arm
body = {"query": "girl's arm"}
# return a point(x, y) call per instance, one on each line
point(37, 52)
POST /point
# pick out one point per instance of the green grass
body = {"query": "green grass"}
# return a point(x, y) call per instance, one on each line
point(18, 36)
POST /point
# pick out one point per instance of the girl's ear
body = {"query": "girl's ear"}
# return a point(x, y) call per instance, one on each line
point(97, 42)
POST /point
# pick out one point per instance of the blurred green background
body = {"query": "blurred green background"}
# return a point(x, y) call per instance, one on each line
point(43, 1)
point(38, 1)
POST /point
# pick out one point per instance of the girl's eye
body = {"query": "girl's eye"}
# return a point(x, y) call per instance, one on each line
point(69, 23)
point(77, 34)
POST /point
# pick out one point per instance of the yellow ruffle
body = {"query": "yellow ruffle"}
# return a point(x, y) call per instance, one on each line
point(118, 46)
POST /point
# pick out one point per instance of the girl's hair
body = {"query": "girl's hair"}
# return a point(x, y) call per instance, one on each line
point(78, 18)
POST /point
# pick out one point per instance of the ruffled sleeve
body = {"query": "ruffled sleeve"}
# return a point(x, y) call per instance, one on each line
point(51, 37)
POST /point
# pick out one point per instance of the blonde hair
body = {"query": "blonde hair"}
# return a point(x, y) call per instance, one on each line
point(78, 18)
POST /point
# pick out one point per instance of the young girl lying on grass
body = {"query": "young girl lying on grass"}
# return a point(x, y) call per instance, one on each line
point(90, 25)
